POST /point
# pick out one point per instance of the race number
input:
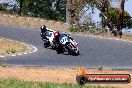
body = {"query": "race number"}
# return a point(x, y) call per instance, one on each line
point(64, 40)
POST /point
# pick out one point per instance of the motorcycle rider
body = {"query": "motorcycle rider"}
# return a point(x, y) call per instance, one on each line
point(57, 35)
point(43, 32)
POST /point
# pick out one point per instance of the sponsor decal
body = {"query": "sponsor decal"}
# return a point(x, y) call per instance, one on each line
point(83, 78)
point(109, 78)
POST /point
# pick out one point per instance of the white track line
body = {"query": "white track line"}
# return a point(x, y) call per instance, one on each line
point(35, 49)
point(19, 54)
point(2, 56)
point(23, 53)
point(13, 55)
point(29, 52)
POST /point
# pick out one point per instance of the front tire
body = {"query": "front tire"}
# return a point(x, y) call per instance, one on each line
point(77, 53)
point(71, 51)
point(46, 45)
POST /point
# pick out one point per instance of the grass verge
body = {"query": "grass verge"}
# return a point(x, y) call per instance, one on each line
point(14, 83)
point(10, 47)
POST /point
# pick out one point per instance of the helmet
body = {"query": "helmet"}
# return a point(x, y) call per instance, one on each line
point(57, 33)
point(43, 28)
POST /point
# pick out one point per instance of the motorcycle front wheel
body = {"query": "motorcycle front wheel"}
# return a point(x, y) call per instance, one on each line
point(71, 49)
point(46, 45)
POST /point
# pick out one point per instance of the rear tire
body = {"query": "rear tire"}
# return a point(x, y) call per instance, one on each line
point(59, 49)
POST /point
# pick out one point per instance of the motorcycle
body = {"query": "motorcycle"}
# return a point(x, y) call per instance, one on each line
point(67, 44)
point(48, 39)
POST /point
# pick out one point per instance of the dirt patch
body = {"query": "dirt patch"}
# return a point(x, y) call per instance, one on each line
point(10, 47)
point(53, 74)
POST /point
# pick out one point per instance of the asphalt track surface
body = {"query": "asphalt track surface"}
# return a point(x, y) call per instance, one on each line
point(94, 52)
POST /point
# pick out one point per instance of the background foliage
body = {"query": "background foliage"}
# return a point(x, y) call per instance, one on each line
point(56, 10)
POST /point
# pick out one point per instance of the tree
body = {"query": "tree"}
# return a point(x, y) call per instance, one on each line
point(2, 8)
point(77, 5)
point(121, 16)
point(60, 9)
point(103, 6)
point(114, 16)
point(49, 9)
point(68, 12)
point(74, 8)
point(20, 6)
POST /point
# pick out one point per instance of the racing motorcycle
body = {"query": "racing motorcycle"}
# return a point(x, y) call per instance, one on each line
point(67, 44)
point(48, 39)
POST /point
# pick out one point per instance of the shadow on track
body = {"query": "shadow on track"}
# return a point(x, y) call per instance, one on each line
point(64, 53)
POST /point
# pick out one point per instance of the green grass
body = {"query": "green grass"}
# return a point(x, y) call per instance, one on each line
point(74, 29)
point(14, 83)
point(11, 50)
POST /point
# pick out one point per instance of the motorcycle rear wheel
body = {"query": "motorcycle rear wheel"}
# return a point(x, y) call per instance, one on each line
point(59, 49)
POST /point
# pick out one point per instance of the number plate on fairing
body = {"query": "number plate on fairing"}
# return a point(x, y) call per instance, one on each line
point(64, 40)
